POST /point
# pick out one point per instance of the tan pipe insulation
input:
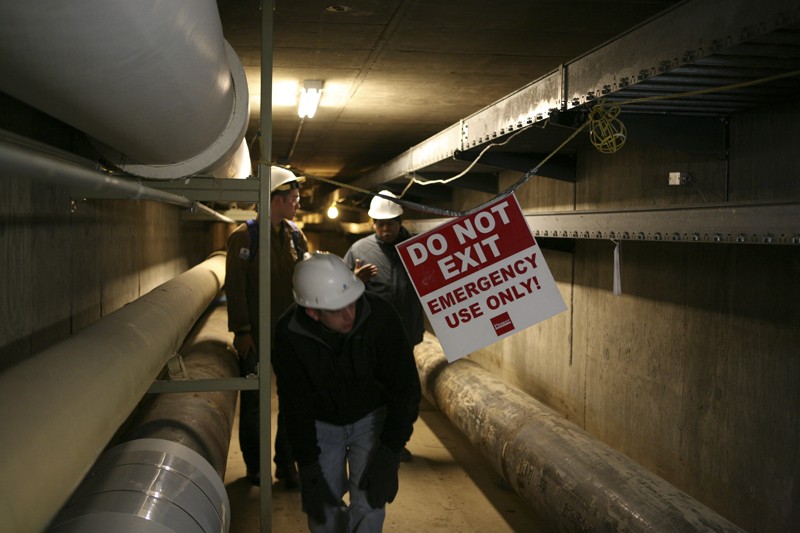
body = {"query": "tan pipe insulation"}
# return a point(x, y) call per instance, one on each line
point(61, 407)
point(573, 481)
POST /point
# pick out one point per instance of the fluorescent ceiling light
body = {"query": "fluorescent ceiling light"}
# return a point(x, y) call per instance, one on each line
point(309, 98)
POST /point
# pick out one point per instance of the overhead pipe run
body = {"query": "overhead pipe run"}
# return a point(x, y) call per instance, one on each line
point(20, 162)
point(61, 407)
point(166, 471)
point(154, 83)
point(573, 481)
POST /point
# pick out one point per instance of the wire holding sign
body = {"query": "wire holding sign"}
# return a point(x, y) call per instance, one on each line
point(481, 278)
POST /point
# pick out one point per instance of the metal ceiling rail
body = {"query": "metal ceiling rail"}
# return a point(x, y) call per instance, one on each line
point(693, 45)
point(19, 161)
point(731, 224)
point(207, 189)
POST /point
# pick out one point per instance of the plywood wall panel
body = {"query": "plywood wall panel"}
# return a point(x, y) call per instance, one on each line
point(16, 303)
point(120, 254)
point(51, 277)
point(88, 221)
point(637, 177)
point(764, 162)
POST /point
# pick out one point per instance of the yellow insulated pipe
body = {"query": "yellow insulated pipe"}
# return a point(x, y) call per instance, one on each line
point(61, 407)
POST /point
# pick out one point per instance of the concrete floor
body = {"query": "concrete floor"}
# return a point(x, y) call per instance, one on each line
point(448, 486)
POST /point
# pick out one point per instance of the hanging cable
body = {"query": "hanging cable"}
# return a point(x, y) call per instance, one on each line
point(607, 134)
point(474, 162)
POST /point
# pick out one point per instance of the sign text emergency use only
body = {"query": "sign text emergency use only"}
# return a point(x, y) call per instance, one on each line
point(481, 278)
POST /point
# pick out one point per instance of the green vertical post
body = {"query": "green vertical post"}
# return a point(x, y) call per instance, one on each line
point(264, 231)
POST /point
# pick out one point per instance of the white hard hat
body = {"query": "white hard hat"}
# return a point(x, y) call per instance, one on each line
point(382, 209)
point(323, 281)
point(283, 180)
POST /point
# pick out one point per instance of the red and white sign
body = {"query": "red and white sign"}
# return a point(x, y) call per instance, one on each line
point(481, 278)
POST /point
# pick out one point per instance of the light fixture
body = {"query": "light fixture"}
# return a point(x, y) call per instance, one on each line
point(309, 98)
point(333, 211)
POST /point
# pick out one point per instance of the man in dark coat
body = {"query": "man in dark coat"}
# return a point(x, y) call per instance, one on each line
point(350, 390)
point(288, 245)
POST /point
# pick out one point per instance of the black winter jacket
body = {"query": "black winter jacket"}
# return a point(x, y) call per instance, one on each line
point(339, 379)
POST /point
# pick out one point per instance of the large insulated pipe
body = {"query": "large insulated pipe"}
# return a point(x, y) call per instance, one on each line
point(148, 485)
point(572, 480)
point(153, 82)
point(60, 408)
point(166, 472)
point(201, 421)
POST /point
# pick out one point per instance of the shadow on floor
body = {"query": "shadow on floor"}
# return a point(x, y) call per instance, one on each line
point(448, 486)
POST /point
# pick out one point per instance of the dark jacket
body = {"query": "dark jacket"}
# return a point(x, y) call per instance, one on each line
point(287, 246)
point(339, 379)
point(392, 281)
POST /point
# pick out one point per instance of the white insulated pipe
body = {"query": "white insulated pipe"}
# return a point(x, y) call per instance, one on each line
point(153, 82)
point(166, 471)
point(572, 480)
point(61, 407)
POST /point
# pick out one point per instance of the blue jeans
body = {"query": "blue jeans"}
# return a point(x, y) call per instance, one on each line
point(346, 449)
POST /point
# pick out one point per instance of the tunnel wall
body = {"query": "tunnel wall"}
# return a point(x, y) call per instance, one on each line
point(66, 262)
point(692, 370)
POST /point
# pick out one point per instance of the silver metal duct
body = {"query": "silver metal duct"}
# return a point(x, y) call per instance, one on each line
point(153, 82)
point(60, 408)
point(573, 481)
point(166, 474)
point(148, 485)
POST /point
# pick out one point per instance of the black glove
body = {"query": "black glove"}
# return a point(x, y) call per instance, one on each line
point(314, 492)
point(380, 478)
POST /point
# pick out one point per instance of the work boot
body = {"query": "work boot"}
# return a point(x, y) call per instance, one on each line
point(254, 477)
point(288, 475)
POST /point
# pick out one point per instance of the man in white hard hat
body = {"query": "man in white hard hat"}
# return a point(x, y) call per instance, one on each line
point(375, 261)
point(287, 246)
point(351, 393)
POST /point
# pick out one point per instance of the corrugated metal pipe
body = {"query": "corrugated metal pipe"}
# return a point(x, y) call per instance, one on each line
point(572, 480)
point(154, 83)
point(166, 473)
point(61, 407)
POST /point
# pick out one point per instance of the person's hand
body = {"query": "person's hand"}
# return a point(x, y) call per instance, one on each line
point(315, 493)
point(244, 344)
point(380, 478)
point(245, 347)
point(365, 272)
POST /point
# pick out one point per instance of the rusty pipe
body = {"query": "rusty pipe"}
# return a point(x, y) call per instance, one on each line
point(572, 480)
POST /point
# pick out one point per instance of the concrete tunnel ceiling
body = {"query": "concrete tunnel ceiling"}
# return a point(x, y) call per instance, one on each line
point(397, 72)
